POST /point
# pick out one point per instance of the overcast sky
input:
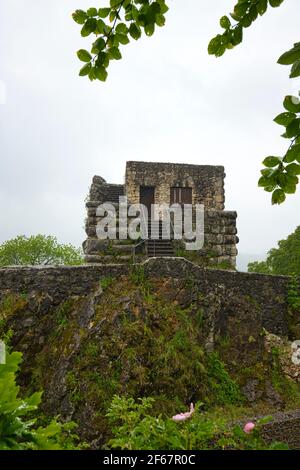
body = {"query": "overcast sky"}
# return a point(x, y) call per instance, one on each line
point(167, 100)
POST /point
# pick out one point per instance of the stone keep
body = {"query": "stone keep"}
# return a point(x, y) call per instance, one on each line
point(166, 183)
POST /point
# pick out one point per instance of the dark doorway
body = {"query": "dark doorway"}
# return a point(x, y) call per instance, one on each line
point(181, 195)
point(147, 197)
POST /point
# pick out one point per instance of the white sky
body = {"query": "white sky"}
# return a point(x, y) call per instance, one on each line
point(167, 100)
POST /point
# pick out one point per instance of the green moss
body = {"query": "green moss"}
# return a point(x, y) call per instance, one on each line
point(224, 389)
point(11, 305)
point(106, 282)
point(152, 344)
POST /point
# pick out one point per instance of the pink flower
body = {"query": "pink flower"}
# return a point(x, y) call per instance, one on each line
point(184, 416)
point(248, 428)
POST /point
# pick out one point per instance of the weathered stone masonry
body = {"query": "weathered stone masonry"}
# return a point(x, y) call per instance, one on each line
point(268, 292)
point(206, 184)
point(238, 305)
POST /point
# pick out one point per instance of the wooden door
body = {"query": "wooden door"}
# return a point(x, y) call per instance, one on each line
point(181, 195)
point(147, 197)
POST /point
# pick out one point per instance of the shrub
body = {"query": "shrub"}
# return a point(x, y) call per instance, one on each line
point(135, 429)
point(18, 428)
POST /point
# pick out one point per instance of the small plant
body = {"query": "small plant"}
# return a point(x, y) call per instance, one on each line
point(134, 428)
point(19, 432)
point(225, 389)
point(62, 315)
point(138, 275)
point(106, 282)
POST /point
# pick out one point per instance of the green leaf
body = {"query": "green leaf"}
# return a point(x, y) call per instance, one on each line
point(115, 3)
point(122, 38)
point(89, 27)
point(156, 8)
point(263, 181)
point(216, 46)
point(84, 55)
point(289, 57)
point(271, 162)
point(101, 73)
point(293, 129)
point(100, 26)
point(135, 31)
point(103, 12)
point(114, 53)
point(163, 7)
point(237, 35)
point(79, 16)
point(241, 9)
point(121, 28)
point(278, 196)
point(262, 7)
point(225, 22)
point(295, 72)
point(275, 3)
point(160, 20)
point(292, 104)
point(85, 70)
point(284, 119)
point(92, 12)
point(149, 29)
point(98, 45)
point(293, 169)
point(92, 75)
point(102, 59)
point(292, 154)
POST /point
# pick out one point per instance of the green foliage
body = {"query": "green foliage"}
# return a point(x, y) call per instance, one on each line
point(38, 250)
point(283, 260)
point(113, 26)
point(261, 267)
point(294, 293)
point(224, 388)
point(138, 275)
point(128, 18)
point(135, 429)
point(245, 12)
point(280, 175)
point(18, 430)
point(106, 282)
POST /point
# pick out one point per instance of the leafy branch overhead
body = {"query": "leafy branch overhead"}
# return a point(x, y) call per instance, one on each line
point(245, 12)
point(113, 27)
point(280, 175)
point(122, 20)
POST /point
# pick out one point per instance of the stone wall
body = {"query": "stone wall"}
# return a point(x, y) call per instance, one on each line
point(269, 293)
point(206, 181)
point(220, 241)
point(64, 320)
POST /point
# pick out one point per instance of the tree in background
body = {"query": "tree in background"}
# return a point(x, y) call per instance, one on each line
point(38, 250)
point(283, 260)
point(114, 26)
